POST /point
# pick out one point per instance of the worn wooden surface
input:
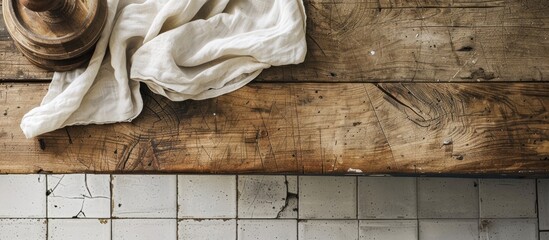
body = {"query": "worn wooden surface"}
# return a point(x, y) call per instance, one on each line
point(388, 87)
point(402, 40)
point(301, 128)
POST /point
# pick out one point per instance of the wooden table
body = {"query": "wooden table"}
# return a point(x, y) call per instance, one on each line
point(449, 87)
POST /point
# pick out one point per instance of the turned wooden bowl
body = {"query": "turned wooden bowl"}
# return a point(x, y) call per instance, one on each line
point(57, 35)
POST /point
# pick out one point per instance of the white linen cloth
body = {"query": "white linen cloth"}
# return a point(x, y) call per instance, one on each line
point(181, 49)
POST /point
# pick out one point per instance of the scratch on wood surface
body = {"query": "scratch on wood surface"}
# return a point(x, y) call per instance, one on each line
point(126, 155)
point(391, 97)
point(380, 124)
point(317, 44)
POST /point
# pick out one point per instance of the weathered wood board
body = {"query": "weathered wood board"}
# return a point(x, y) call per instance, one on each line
point(399, 41)
point(389, 128)
point(388, 87)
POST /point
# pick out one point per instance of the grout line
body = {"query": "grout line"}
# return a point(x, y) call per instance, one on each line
point(537, 206)
point(297, 212)
point(479, 200)
point(479, 206)
point(111, 205)
point(47, 217)
point(236, 217)
point(177, 205)
point(356, 208)
point(356, 197)
point(417, 207)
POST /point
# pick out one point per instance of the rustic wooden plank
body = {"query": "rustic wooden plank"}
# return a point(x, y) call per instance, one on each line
point(498, 128)
point(400, 41)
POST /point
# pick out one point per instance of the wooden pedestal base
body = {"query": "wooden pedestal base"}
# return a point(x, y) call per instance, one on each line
point(55, 34)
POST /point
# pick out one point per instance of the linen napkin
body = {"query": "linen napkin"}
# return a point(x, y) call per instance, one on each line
point(181, 49)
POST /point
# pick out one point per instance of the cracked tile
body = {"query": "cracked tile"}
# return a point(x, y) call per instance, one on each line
point(23, 196)
point(207, 196)
point(23, 229)
point(508, 198)
point(326, 197)
point(508, 229)
point(328, 229)
point(291, 208)
point(79, 195)
point(81, 229)
point(267, 196)
point(387, 198)
point(448, 198)
point(388, 229)
point(144, 196)
point(211, 229)
point(270, 229)
point(448, 229)
point(144, 229)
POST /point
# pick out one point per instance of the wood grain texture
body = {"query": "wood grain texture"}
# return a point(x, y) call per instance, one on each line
point(400, 41)
point(390, 128)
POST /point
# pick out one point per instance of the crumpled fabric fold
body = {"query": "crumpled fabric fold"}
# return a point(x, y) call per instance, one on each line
point(181, 49)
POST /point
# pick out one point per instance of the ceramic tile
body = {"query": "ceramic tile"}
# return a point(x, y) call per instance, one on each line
point(328, 229)
point(388, 230)
point(508, 198)
point(271, 229)
point(207, 196)
point(387, 198)
point(81, 229)
point(144, 229)
point(544, 236)
point(23, 196)
point(448, 198)
point(192, 229)
point(543, 204)
point(266, 196)
point(448, 229)
point(508, 229)
point(144, 196)
point(23, 229)
point(79, 195)
point(291, 209)
point(326, 197)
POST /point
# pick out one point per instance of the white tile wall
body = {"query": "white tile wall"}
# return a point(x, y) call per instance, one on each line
point(448, 198)
point(144, 229)
point(211, 229)
point(328, 229)
point(387, 198)
point(79, 195)
point(206, 207)
point(448, 229)
point(388, 230)
point(508, 198)
point(323, 197)
point(272, 229)
point(207, 196)
point(509, 229)
point(144, 196)
point(23, 196)
point(23, 229)
point(79, 229)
